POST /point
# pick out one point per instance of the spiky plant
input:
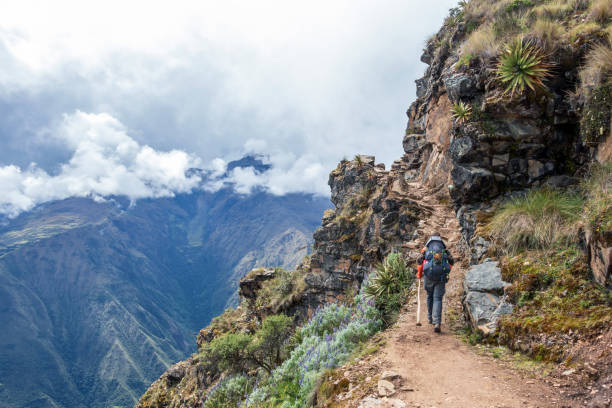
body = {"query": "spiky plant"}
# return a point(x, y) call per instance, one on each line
point(522, 64)
point(358, 159)
point(461, 112)
point(392, 277)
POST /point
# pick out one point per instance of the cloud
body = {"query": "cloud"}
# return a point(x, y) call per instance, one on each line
point(304, 83)
point(105, 161)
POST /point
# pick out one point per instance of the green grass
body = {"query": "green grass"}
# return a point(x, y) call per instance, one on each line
point(554, 295)
point(541, 219)
point(598, 208)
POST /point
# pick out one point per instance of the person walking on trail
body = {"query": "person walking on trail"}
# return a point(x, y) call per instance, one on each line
point(435, 263)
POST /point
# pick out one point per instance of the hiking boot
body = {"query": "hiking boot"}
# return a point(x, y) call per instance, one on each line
point(437, 328)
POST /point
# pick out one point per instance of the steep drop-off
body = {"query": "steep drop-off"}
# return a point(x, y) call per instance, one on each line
point(97, 299)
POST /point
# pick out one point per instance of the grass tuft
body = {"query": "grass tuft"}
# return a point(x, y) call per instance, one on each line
point(555, 10)
point(547, 33)
point(283, 290)
point(601, 11)
point(481, 43)
point(598, 208)
point(598, 67)
point(542, 219)
point(584, 30)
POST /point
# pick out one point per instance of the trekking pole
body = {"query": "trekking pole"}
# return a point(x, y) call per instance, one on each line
point(418, 323)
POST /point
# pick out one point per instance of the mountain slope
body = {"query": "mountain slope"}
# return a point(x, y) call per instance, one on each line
point(99, 298)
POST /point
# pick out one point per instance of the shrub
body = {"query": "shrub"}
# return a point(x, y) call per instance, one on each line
point(461, 112)
point(269, 346)
point(229, 393)
point(389, 286)
point(600, 11)
point(227, 353)
point(481, 43)
point(326, 341)
point(239, 352)
point(541, 219)
point(358, 160)
point(522, 64)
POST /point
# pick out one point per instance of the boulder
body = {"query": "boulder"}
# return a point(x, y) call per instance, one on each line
point(485, 301)
point(385, 388)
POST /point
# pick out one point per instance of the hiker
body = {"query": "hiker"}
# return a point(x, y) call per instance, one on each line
point(435, 263)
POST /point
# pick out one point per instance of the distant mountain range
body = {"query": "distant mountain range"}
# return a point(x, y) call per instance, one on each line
point(97, 299)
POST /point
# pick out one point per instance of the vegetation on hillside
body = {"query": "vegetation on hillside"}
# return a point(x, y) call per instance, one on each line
point(554, 297)
point(539, 236)
point(550, 220)
point(526, 42)
point(273, 367)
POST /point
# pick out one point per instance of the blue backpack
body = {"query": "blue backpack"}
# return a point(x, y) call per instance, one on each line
point(437, 267)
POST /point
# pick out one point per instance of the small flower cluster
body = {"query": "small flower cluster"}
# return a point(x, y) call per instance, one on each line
point(327, 340)
point(232, 391)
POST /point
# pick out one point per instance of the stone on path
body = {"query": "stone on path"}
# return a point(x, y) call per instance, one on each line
point(390, 376)
point(385, 388)
point(371, 402)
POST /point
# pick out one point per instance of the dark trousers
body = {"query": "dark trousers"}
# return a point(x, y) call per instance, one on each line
point(435, 293)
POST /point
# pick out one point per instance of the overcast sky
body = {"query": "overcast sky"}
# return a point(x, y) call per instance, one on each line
point(122, 97)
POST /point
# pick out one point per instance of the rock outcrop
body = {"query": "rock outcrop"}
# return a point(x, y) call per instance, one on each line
point(600, 256)
point(484, 300)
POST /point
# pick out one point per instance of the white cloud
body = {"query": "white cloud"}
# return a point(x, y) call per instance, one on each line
point(105, 161)
point(304, 83)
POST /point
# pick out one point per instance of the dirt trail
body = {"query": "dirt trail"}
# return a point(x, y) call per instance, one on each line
point(440, 369)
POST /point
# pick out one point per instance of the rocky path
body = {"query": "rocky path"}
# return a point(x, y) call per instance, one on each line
point(439, 370)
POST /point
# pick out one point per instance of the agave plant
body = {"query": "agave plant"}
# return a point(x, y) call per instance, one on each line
point(392, 277)
point(523, 64)
point(461, 112)
point(358, 160)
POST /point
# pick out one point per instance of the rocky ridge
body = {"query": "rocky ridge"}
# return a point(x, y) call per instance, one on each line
point(464, 168)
